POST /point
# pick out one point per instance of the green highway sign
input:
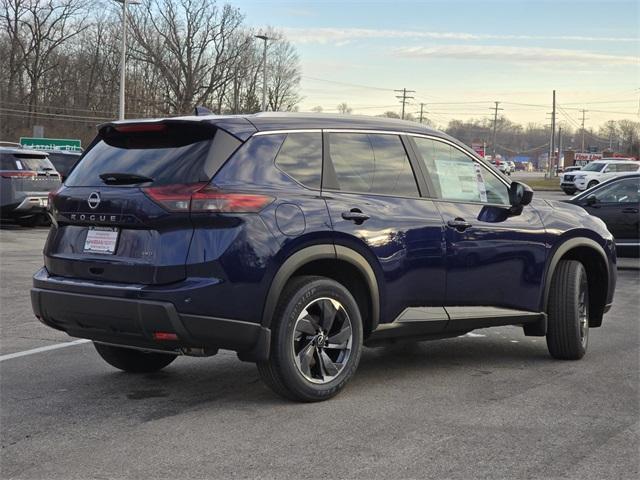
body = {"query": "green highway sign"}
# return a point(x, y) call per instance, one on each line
point(67, 144)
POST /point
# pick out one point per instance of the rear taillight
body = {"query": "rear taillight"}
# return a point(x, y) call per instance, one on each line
point(52, 197)
point(18, 174)
point(203, 198)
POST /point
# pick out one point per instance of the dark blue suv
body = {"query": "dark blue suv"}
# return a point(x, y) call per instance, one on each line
point(296, 239)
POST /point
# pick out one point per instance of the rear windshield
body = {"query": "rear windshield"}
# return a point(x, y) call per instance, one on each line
point(177, 154)
point(25, 161)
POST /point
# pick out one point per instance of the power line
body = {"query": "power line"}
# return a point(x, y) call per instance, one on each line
point(404, 98)
point(55, 115)
point(356, 85)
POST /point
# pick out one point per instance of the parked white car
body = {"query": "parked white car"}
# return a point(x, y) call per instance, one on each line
point(597, 172)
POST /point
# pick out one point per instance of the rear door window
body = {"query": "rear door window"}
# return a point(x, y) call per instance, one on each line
point(372, 163)
point(8, 162)
point(300, 157)
point(173, 155)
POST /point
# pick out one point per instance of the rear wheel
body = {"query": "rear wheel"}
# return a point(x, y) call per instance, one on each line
point(133, 361)
point(316, 340)
point(568, 321)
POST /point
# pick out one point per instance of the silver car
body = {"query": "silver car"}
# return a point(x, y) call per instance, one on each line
point(26, 178)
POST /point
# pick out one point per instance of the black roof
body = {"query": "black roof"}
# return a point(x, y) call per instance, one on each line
point(279, 120)
point(243, 126)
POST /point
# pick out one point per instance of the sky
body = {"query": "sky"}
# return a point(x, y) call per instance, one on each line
point(461, 56)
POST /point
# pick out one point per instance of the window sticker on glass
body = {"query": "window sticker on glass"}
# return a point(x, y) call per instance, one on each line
point(458, 180)
point(18, 165)
point(482, 189)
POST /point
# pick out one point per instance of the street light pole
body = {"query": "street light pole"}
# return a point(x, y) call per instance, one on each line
point(264, 71)
point(123, 59)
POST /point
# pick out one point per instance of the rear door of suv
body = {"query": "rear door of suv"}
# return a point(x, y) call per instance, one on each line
point(374, 199)
point(124, 213)
point(494, 258)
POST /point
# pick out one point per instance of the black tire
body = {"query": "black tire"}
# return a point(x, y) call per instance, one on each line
point(568, 311)
point(569, 192)
point(592, 183)
point(283, 371)
point(133, 361)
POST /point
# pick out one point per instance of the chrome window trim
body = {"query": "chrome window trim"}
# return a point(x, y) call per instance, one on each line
point(284, 132)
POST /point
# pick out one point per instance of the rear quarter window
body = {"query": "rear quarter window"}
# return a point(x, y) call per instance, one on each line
point(301, 158)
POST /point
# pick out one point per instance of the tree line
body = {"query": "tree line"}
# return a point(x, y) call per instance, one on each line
point(60, 63)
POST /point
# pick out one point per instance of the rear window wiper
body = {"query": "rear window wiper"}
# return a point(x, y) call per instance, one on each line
point(124, 178)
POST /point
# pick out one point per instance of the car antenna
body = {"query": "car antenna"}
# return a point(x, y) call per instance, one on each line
point(200, 110)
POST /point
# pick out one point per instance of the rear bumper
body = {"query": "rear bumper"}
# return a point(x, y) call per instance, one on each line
point(133, 321)
point(33, 202)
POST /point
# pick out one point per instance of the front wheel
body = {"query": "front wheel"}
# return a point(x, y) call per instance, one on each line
point(133, 361)
point(316, 340)
point(568, 312)
point(592, 184)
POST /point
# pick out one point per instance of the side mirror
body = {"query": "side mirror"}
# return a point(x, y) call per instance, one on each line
point(520, 194)
point(591, 200)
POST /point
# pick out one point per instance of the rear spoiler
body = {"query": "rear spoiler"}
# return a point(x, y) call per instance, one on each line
point(239, 127)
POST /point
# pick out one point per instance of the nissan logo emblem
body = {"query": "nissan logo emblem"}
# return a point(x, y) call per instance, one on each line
point(93, 200)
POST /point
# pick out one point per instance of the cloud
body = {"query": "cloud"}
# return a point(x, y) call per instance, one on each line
point(517, 54)
point(341, 36)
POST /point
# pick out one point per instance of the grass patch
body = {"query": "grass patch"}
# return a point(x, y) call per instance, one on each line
point(543, 183)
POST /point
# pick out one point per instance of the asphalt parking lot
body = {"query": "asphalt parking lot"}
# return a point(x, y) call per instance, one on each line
point(491, 404)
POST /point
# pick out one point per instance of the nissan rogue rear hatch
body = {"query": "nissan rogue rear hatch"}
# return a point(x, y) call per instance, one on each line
point(109, 226)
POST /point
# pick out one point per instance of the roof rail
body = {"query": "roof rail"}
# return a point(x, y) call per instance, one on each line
point(10, 144)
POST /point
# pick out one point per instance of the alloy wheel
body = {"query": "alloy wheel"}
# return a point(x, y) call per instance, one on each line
point(583, 311)
point(322, 340)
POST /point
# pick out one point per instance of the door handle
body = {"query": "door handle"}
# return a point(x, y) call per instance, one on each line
point(630, 210)
point(459, 224)
point(356, 216)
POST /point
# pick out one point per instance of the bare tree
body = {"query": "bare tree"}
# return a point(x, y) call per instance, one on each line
point(191, 43)
point(284, 76)
point(344, 108)
point(44, 26)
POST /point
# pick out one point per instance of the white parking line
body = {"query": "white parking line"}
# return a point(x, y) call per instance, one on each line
point(42, 349)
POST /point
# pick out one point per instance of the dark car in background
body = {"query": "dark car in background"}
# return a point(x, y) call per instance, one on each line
point(617, 203)
point(296, 239)
point(63, 161)
point(26, 179)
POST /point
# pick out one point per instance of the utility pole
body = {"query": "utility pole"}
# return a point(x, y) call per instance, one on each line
point(495, 124)
point(552, 147)
point(560, 145)
point(422, 111)
point(404, 98)
point(264, 71)
point(583, 119)
point(123, 53)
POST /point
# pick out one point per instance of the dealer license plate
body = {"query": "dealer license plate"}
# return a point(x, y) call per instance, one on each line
point(101, 240)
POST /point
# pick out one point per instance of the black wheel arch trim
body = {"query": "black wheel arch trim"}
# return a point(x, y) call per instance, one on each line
point(560, 251)
point(321, 252)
